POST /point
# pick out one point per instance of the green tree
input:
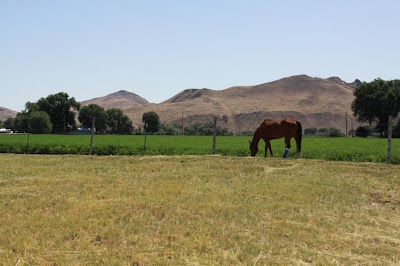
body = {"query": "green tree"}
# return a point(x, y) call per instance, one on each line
point(247, 132)
point(151, 121)
point(36, 122)
point(310, 131)
point(117, 122)
point(206, 129)
point(21, 122)
point(335, 132)
point(87, 113)
point(195, 129)
point(169, 129)
point(323, 131)
point(60, 108)
point(9, 123)
point(375, 101)
point(39, 123)
point(363, 131)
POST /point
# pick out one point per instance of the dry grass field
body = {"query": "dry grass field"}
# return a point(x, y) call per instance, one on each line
point(197, 210)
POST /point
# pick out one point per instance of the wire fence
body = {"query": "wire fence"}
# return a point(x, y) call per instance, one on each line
point(213, 145)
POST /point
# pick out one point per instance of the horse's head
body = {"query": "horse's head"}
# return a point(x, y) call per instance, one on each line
point(253, 148)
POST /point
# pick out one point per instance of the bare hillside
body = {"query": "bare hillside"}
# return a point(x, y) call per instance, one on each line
point(121, 99)
point(315, 102)
point(6, 113)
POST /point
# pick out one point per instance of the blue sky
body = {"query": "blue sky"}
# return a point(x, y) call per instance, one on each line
point(157, 48)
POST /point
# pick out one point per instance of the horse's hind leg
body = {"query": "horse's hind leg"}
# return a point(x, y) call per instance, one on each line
point(298, 145)
point(287, 147)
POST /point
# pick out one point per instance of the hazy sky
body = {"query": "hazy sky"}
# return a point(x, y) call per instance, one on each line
point(158, 48)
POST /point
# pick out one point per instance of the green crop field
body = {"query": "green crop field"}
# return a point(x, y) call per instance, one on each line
point(338, 149)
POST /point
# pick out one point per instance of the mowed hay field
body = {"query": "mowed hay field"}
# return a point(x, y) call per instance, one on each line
point(197, 210)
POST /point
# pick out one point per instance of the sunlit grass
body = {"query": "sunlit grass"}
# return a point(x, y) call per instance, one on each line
point(185, 210)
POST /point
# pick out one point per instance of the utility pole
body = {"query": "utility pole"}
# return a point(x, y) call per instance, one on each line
point(346, 125)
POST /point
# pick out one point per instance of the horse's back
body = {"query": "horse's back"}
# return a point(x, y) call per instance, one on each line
point(287, 121)
point(275, 129)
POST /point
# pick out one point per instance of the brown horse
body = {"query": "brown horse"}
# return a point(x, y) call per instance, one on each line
point(275, 129)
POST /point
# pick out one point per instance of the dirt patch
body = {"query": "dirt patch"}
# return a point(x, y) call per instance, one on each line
point(383, 198)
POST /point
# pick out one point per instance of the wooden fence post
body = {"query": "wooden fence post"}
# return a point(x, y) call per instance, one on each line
point(145, 138)
point(215, 136)
point(389, 153)
point(91, 135)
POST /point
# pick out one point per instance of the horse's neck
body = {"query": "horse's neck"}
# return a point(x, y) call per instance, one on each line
point(256, 137)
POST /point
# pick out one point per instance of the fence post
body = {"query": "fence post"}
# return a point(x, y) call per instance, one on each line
point(91, 135)
point(183, 129)
point(389, 153)
point(145, 138)
point(215, 136)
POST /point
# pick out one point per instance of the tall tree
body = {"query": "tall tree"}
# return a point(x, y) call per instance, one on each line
point(151, 121)
point(117, 122)
point(9, 123)
point(87, 113)
point(39, 123)
point(36, 122)
point(60, 108)
point(375, 101)
point(21, 122)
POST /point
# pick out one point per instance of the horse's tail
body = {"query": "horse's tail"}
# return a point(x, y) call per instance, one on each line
point(299, 135)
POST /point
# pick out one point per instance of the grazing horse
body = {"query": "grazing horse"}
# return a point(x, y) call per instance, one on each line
point(275, 129)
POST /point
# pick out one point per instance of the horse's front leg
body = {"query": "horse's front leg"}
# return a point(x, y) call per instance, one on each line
point(267, 146)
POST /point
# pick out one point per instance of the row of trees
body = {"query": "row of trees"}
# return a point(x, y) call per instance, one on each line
point(331, 132)
point(56, 114)
point(111, 121)
point(195, 129)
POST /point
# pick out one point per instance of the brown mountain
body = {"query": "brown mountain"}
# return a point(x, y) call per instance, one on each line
point(6, 113)
point(319, 103)
point(121, 99)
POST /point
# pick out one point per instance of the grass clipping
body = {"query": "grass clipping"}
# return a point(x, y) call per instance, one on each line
point(197, 210)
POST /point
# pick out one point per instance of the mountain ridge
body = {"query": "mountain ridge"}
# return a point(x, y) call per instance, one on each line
point(314, 101)
point(317, 102)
